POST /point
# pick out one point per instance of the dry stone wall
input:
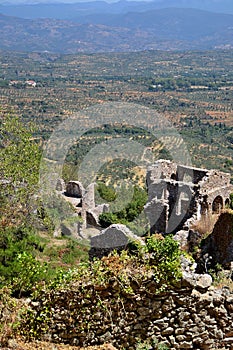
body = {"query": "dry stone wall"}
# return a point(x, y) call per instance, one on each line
point(184, 317)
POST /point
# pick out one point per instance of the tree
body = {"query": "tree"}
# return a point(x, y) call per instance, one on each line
point(20, 158)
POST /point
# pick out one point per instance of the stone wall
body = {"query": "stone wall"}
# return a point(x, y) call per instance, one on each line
point(184, 317)
point(187, 194)
point(82, 201)
point(218, 246)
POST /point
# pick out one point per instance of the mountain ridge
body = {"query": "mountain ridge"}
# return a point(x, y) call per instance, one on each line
point(62, 10)
point(163, 29)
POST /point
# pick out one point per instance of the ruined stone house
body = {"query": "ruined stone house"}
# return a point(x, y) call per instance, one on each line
point(84, 205)
point(179, 195)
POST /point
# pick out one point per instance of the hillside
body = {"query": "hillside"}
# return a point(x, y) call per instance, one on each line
point(193, 89)
point(166, 29)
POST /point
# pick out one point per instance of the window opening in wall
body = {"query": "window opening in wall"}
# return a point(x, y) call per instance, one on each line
point(217, 205)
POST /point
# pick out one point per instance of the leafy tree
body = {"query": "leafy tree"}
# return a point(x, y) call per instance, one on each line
point(20, 159)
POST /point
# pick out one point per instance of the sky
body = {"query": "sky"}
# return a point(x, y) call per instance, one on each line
point(3, 2)
point(48, 1)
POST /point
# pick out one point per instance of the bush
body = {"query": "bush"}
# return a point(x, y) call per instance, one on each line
point(10, 312)
point(27, 271)
point(107, 219)
point(165, 257)
point(105, 192)
point(18, 267)
point(129, 213)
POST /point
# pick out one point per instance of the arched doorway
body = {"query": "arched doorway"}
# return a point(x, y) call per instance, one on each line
point(217, 205)
point(227, 203)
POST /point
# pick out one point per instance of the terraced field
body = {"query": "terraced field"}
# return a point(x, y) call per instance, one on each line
point(194, 90)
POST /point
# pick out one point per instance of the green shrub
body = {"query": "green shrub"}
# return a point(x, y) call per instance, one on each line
point(107, 219)
point(27, 271)
point(129, 213)
point(151, 344)
point(18, 267)
point(20, 159)
point(164, 255)
point(106, 193)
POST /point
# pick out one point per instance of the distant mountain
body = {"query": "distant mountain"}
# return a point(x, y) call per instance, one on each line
point(170, 23)
point(69, 11)
point(57, 11)
point(79, 10)
point(221, 6)
point(166, 29)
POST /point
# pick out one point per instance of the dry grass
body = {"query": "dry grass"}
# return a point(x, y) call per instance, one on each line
point(39, 345)
point(206, 224)
point(223, 278)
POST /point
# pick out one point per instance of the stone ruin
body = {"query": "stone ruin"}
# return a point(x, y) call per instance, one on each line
point(102, 241)
point(83, 203)
point(180, 195)
point(116, 236)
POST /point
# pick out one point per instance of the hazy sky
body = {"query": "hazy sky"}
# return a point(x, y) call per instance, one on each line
point(48, 1)
point(73, 1)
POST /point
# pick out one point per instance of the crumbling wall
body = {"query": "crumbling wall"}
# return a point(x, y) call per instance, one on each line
point(185, 194)
point(83, 202)
point(184, 317)
point(218, 246)
point(160, 170)
point(74, 189)
point(190, 174)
